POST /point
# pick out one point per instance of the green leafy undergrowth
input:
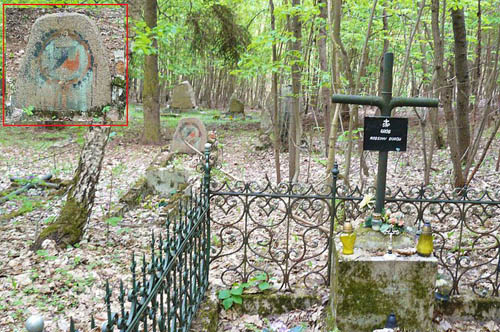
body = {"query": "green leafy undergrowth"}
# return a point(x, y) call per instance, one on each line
point(28, 205)
point(232, 296)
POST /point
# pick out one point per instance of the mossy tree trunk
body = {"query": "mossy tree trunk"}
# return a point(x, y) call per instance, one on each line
point(69, 226)
point(151, 134)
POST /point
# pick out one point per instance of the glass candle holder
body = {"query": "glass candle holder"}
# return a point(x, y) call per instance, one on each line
point(348, 238)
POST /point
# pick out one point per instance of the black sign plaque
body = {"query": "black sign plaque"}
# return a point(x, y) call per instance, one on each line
point(385, 134)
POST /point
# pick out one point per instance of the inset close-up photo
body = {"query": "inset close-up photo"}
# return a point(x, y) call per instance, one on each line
point(65, 65)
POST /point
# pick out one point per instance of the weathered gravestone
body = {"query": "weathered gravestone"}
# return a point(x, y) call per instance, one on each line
point(191, 131)
point(183, 97)
point(64, 66)
point(266, 123)
point(236, 106)
point(166, 181)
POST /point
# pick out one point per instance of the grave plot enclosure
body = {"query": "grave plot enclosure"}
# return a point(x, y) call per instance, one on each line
point(285, 231)
point(64, 67)
point(234, 232)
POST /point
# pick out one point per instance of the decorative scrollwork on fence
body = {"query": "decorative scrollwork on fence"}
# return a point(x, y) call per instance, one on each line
point(466, 227)
point(281, 230)
point(285, 230)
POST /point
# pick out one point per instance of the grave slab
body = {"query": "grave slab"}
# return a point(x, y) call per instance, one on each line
point(369, 288)
point(166, 181)
point(64, 66)
point(192, 131)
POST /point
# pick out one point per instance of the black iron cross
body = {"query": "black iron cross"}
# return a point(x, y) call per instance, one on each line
point(385, 103)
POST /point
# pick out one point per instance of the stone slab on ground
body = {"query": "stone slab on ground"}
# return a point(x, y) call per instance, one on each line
point(370, 288)
point(166, 181)
point(183, 97)
point(64, 66)
point(192, 131)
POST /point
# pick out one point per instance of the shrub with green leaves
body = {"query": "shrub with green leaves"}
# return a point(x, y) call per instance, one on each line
point(235, 294)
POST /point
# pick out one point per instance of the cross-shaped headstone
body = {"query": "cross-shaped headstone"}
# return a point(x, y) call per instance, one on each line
point(385, 103)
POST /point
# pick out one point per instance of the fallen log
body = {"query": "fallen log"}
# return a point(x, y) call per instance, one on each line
point(32, 184)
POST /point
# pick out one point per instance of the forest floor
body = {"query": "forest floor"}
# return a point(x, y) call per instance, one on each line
point(60, 284)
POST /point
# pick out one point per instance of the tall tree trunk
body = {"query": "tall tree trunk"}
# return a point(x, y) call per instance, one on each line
point(151, 133)
point(274, 96)
point(404, 72)
point(69, 226)
point(385, 28)
point(463, 81)
point(295, 125)
point(446, 93)
point(353, 118)
point(134, 11)
point(325, 101)
point(332, 137)
point(476, 72)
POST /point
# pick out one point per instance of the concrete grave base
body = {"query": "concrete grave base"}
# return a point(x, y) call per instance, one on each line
point(263, 304)
point(470, 307)
point(370, 288)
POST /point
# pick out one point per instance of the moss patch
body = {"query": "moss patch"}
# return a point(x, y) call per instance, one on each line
point(370, 288)
point(269, 303)
point(207, 316)
point(68, 228)
point(19, 212)
point(262, 304)
point(470, 306)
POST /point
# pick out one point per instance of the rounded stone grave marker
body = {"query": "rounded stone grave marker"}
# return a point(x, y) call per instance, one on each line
point(191, 131)
point(64, 66)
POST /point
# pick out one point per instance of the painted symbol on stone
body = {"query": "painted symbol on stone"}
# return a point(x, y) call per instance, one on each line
point(65, 58)
point(190, 133)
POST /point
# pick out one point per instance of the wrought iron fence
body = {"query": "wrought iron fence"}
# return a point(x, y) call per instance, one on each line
point(244, 229)
point(285, 230)
point(166, 292)
point(280, 230)
point(466, 227)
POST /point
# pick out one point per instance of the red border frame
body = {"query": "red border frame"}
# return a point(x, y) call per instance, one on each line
point(64, 4)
